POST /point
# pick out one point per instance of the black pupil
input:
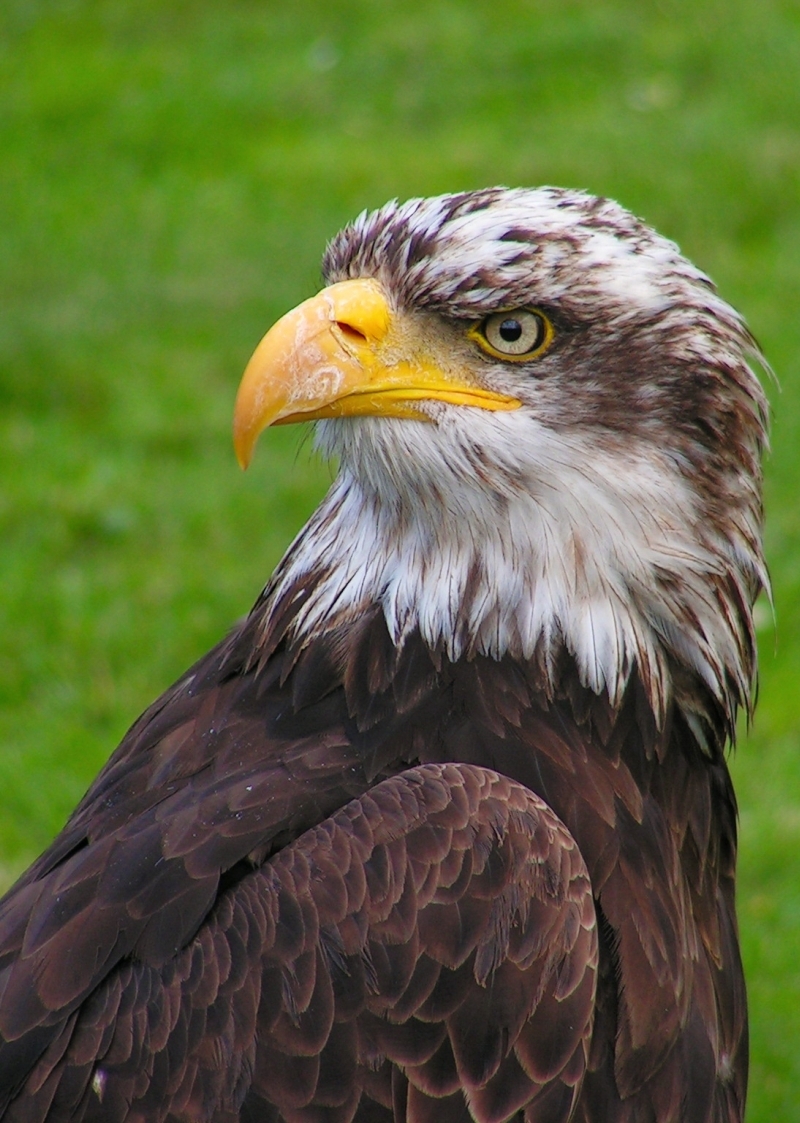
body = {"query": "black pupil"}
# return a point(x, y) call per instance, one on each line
point(510, 330)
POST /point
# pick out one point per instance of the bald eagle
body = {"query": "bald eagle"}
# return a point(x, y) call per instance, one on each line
point(443, 830)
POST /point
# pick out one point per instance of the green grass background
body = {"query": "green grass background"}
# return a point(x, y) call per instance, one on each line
point(169, 173)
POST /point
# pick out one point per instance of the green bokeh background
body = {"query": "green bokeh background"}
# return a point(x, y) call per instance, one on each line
point(169, 173)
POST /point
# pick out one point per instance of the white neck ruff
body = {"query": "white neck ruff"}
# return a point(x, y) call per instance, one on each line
point(599, 550)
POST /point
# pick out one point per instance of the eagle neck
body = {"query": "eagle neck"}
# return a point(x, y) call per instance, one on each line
point(534, 580)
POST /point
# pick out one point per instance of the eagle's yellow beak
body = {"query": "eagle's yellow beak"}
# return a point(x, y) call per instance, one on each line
point(343, 353)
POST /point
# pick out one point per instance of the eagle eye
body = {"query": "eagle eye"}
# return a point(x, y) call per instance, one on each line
point(519, 333)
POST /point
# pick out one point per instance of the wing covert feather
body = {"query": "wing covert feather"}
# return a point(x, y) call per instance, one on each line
point(303, 991)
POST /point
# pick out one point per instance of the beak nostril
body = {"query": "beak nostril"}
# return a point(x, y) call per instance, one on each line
point(350, 332)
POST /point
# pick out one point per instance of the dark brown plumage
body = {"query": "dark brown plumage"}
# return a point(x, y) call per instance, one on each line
point(341, 873)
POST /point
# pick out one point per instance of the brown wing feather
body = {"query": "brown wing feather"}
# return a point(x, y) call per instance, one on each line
point(296, 1015)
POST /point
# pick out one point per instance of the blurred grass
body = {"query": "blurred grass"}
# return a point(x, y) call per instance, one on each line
point(169, 173)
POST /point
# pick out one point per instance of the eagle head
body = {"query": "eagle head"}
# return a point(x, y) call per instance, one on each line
point(549, 434)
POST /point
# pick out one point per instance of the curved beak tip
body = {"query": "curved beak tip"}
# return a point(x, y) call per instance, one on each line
point(244, 441)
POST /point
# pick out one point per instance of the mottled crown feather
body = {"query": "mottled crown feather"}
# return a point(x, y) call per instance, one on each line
point(677, 345)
